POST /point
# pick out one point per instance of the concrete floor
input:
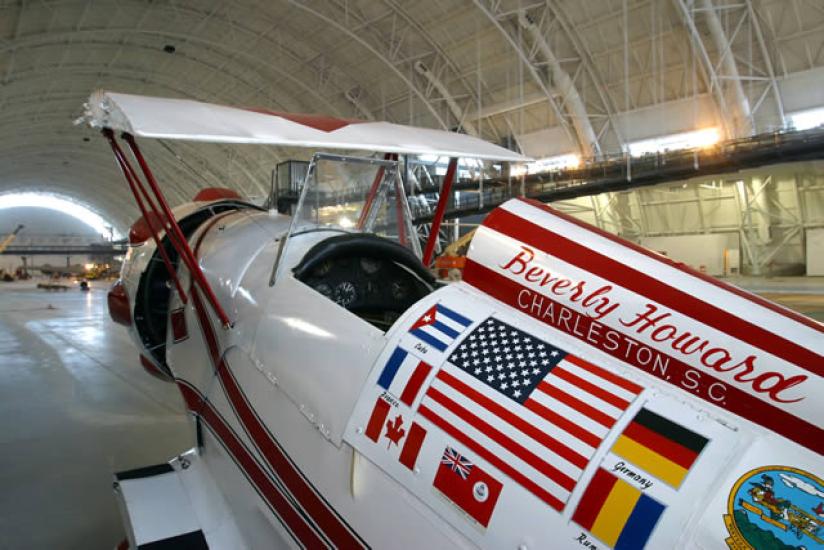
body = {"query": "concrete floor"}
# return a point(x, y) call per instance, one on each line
point(76, 406)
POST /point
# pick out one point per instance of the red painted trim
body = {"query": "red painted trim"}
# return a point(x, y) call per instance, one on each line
point(210, 223)
point(119, 308)
point(735, 401)
point(613, 270)
point(316, 122)
point(317, 508)
point(215, 193)
point(149, 366)
point(763, 302)
point(278, 502)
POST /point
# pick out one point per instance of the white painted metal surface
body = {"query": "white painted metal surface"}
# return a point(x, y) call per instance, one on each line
point(317, 436)
point(185, 119)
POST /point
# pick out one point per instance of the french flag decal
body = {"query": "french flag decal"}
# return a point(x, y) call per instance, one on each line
point(439, 326)
point(403, 375)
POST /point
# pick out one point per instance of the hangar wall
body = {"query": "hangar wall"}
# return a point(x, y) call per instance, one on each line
point(766, 214)
point(44, 227)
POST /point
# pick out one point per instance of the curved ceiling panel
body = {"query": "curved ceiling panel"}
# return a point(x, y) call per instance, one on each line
point(499, 69)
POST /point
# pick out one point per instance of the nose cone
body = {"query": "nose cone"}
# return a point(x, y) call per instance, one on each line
point(119, 308)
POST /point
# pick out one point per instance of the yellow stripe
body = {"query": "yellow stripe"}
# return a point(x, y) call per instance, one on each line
point(750, 508)
point(649, 460)
point(615, 512)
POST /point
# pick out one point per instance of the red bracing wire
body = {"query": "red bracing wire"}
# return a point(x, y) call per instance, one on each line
point(128, 173)
point(178, 239)
point(399, 212)
point(370, 197)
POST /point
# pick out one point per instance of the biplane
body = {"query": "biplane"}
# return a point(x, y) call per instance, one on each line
point(572, 390)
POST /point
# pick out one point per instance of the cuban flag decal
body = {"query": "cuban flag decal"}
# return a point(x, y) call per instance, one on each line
point(439, 326)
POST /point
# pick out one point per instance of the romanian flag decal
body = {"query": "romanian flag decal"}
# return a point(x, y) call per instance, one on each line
point(661, 447)
point(617, 513)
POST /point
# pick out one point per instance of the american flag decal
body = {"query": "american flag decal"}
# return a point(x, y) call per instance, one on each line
point(532, 410)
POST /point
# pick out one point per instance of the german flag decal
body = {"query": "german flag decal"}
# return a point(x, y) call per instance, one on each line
point(661, 447)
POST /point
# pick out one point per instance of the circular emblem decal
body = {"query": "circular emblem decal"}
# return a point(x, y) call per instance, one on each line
point(480, 491)
point(776, 507)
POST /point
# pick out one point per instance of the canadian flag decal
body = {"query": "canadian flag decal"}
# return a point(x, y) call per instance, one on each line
point(388, 427)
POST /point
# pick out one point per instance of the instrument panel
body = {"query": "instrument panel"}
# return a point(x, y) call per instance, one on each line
point(376, 290)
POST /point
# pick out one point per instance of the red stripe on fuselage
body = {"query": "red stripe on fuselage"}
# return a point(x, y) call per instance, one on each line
point(326, 519)
point(754, 298)
point(531, 234)
point(279, 504)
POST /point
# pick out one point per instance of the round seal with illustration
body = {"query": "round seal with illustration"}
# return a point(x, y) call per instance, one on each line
point(776, 507)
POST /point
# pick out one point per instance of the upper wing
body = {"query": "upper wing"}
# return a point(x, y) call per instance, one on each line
point(193, 120)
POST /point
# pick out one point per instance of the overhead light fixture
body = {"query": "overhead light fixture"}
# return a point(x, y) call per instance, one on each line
point(557, 162)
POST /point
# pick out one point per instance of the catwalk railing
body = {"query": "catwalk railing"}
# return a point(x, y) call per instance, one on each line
point(621, 172)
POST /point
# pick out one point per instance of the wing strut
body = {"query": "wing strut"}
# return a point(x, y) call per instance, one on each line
point(373, 191)
point(162, 213)
point(443, 198)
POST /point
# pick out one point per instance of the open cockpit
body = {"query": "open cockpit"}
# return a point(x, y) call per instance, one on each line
point(352, 239)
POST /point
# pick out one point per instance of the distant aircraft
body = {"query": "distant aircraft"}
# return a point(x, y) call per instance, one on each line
point(86, 271)
point(73, 270)
point(573, 390)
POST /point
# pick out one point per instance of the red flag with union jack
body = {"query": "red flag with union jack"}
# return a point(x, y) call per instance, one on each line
point(467, 485)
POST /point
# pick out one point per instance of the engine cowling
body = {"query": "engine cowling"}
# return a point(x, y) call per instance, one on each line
point(140, 299)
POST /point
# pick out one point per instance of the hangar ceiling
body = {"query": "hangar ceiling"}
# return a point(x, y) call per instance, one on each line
point(504, 70)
